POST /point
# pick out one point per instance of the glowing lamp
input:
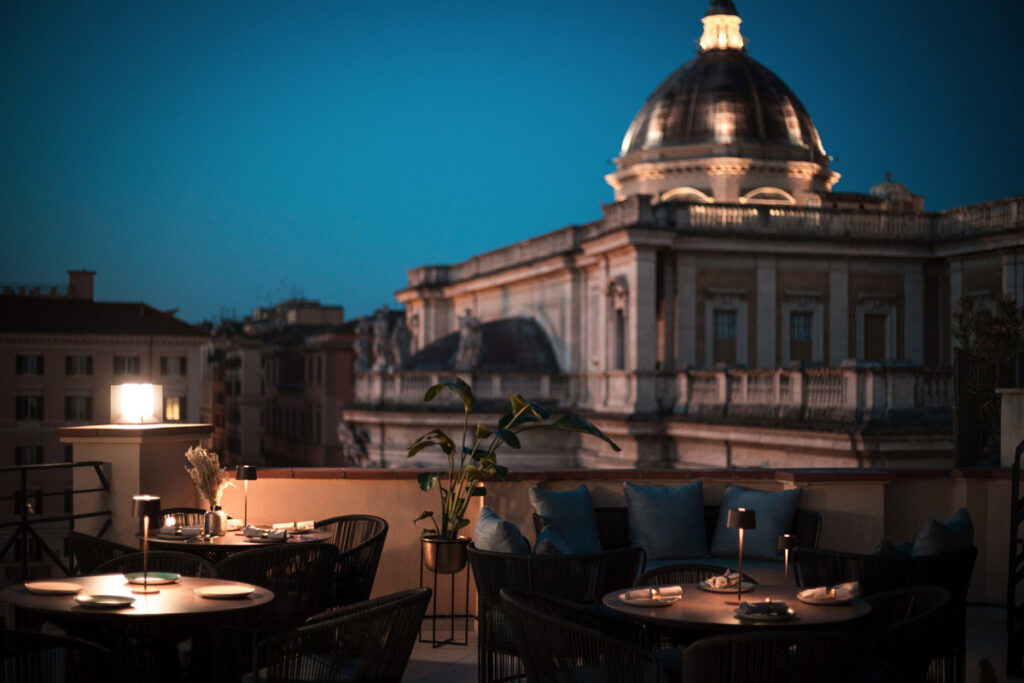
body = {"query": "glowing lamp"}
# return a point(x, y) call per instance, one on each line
point(147, 508)
point(135, 403)
point(741, 519)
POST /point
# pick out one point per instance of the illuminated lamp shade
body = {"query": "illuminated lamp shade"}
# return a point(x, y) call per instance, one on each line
point(136, 403)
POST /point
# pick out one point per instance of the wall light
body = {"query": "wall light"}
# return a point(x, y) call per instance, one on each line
point(136, 403)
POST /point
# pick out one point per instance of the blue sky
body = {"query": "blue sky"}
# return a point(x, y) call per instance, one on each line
point(213, 156)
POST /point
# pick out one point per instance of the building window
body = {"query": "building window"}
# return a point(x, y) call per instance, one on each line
point(28, 455)
point(174, 365)
point(801, 336)
point(127, 365)
point(78, 365)
point(724, 323)
point(29, 364)
point(620, 340)
point(874, 336)
point(174, 408)
point(28, 407)
point(78, 407)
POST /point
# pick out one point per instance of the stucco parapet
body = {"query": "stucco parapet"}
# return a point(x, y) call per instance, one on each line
point(134, 431)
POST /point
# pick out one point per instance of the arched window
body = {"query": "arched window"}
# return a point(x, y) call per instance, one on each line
point(686, 194)
point(618, 299)
point(768, 195)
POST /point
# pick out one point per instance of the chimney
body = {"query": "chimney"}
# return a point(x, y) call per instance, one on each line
point(80, 284)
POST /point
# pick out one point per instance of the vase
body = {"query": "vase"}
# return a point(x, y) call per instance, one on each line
point(215, 522)
point(444, 555)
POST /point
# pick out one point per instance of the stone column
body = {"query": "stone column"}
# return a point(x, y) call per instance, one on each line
point(1011, 407)
point(686, 318)
point(642, 344)
point(143, 459)
point(763, 337)
point(956, 287)
point(838, 313)
point(913, 315)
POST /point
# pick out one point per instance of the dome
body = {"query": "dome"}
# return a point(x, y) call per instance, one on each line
point(725, 97)
point(508, 345)
point(891, 190)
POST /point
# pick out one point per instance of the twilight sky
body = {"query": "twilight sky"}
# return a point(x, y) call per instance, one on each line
point(212, 156)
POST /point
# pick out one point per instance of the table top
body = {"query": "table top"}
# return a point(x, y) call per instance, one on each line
point(703, 609)
point(176, 600)
point(234, 541)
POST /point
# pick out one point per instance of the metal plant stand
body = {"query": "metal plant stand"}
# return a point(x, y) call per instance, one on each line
point(451, 614)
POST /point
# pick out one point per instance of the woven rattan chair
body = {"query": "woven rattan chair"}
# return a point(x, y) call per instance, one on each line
point(86, 552)
point(359, 540)
point(184, 516)
point(561, 641)
point(582, 579)
point(910, 627)
point(672, 574)
point(952, 571)
point(299, 574)
point(37, 657)
point(185, 564)
point(368, 641)
point(783, 656)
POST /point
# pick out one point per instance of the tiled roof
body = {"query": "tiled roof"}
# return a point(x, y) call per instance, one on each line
point(44, 315)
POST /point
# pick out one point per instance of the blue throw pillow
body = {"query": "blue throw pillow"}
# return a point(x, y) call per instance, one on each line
point(936, 538)
point(667, 521)
point(775, 512)
point(550, 543)
point(497, 535)
point(892, 551)
point(570, 514)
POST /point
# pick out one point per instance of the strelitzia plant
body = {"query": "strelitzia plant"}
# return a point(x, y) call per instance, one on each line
point(475, 459)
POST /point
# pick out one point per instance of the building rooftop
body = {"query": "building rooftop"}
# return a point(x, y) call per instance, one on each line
point(43, 315)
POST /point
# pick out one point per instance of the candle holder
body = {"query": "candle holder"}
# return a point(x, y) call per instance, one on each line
point(741, 519)
point(786, 543)
point(245, 473)
point(148, 508)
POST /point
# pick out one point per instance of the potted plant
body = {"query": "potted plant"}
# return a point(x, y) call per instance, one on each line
point(471, 461)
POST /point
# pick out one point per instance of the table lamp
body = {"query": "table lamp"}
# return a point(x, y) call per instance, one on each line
point(740, 519)
point(786, 543)
point(148, 508)
point(245, 473)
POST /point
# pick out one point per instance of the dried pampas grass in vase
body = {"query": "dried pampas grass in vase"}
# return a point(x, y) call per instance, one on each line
point(207, 475)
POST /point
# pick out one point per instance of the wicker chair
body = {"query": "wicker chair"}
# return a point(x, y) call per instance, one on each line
point(876, 574)
point(562, 641)
point(185, 564)
point(672, 574)
point(299, 574)
point(789, 656)
point(185, 516)
point(368, 641)
point(30, 656)
point(909, 626)
point(86, 552)
point(359, 540)
point(582, 579)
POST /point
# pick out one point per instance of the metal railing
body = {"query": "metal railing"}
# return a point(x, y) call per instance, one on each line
point(28, 506)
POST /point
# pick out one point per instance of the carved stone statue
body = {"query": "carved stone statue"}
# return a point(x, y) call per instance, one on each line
point(400, 338)
point(380, 339)
point(352, 442)
point(470, 337)
point(361, 345)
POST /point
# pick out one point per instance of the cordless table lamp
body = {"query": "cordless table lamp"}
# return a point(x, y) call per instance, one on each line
point(786, 543)
point(741, 519)
point(245, 473)
point(148, 508)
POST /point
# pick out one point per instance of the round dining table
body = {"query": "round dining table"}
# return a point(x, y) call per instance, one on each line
point(699, 610)
point(143, 635)
point(217, 548)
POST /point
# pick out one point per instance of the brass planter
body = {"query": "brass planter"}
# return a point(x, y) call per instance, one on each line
point(444, 555)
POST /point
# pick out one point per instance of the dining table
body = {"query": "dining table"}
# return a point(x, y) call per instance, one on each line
point(144, 634)
point(700, 612)
point(217, 548)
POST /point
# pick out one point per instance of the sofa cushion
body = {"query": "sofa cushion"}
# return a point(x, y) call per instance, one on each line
point(667, 521)
point(498, 535)
point(937, 538)
point(550, 543)
point(775, 512)
point(570, 514)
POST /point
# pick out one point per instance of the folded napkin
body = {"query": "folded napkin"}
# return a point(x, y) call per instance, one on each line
point(186, 531)
point(295, 526)
point(843, 591)
point(235, 523)
point(729, 578)
point(256, 532)
point(772, 607)
point(655, 593)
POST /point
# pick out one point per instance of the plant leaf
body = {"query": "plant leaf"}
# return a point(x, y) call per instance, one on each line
point(482, 432)
point(575, 423)
point(459, 387)
point(518, 402)
point(500, 470)
point(508, 437)
point(461, 523)
point(426, 514)
point(435, 437)
point(539, 411)
point(427, 480)
point(477, 491)
point(432, 393)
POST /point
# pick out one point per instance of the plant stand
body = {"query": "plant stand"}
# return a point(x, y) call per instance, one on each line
point(451, 615)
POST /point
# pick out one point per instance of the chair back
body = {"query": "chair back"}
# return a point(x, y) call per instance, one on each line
point(558, 641)
point(185, 564)
point(368, 641)
point(31, 656)
point(360, 542)
point(911, 626)
point(86, 552)
point(672, 574)
point(299, 574)
point(790, 656)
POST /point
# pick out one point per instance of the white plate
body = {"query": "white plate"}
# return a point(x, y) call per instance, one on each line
point(661, 601)
point(767, 617)
point(821, 601)
point(154, 578)
point(53, 587)
point(104, 601)
point(268, 539)
point(224, 592)
point(747, 586)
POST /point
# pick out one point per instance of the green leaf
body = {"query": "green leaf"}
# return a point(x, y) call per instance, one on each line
point(426, 514)
point(500, 470)
point(539, 411)
point(518, 402)
point(435, 437)
point(477, 491)
point(575, 423)
point(432, 393)
point(508, 437)
point(506, 420)
point(482, 432)
point(459, 387)
point(427, 480)
point(461, 523)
